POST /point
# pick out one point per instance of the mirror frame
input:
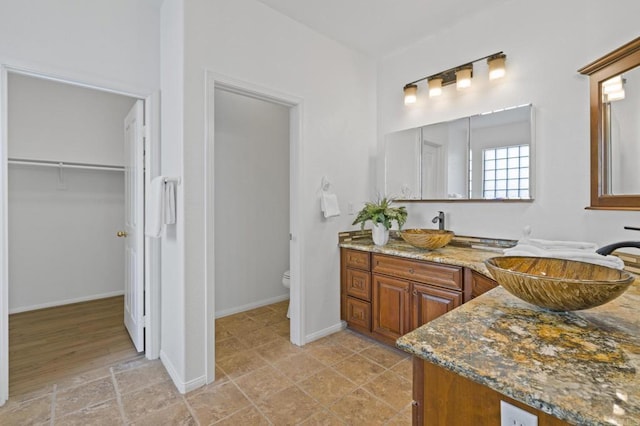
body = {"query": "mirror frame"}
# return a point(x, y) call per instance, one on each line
point(620, 60)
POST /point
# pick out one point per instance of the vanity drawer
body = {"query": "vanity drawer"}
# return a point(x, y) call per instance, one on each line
point(359, 284)
point(358, 259)
point(414, 270)
point(359, 314)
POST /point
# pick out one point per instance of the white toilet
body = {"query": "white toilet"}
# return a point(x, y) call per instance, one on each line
point(286, 277)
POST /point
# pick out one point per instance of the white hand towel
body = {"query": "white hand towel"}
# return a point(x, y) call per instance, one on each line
point(526, 250)
point(154, 219)
point(569, 254)
point(610, 261)
point(169, 204)
point(329, 204)
point(561, 245)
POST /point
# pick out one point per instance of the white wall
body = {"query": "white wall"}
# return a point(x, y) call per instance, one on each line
point(62, 243)
point(60, 122)
point(545, 42)
point(173, 324)
point(111, 43)
point(248, 41)
point(252, 201)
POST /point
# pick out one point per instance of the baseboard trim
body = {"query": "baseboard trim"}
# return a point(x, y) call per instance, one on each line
point(65, 302)
point(183, 387)
point(325, 332)
point(249, 306)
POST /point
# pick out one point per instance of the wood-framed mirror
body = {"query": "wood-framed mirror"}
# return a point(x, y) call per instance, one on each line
point(614, 83)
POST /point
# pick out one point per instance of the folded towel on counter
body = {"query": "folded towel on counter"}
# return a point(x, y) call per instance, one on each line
point(329, 204)
point(569, 254)
point(559, 245)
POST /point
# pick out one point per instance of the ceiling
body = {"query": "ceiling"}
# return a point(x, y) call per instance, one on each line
point(378, 27)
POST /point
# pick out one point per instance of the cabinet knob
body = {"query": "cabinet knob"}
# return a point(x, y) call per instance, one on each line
point(415, 292)
point(411, 271)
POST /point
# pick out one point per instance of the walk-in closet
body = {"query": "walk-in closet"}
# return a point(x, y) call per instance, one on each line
point(66, 204)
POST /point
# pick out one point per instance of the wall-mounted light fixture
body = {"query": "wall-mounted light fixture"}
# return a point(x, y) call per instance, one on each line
point(460, 75)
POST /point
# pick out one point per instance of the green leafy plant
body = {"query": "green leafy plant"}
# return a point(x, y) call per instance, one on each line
point(381, 211)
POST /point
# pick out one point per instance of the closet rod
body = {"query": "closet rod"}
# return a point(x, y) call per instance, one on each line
point(86, 166)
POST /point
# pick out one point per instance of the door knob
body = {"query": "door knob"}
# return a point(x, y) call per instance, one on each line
point(122, 234)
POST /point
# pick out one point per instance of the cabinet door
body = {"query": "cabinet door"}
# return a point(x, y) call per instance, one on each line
point(390, 306)
point(431, 302)
point(481, 284)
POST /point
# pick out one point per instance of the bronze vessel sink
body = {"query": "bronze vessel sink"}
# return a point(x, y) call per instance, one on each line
point(559, 284)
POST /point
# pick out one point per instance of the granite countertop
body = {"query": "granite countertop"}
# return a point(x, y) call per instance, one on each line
point(582, 367)
point(472, 258)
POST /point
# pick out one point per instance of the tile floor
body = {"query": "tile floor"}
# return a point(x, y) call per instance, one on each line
point(261, 379)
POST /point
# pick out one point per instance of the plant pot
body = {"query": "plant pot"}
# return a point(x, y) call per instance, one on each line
point(380, 234)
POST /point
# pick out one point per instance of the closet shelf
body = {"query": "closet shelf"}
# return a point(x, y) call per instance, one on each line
point(68, 165)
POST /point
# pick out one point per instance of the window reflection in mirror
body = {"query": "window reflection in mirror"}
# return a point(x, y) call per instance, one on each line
point(500, 150)
point(482, 157)
point(621, 132)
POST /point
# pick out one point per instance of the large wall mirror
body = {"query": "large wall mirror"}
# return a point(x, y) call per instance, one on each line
point(487, 156)
point(615, 128)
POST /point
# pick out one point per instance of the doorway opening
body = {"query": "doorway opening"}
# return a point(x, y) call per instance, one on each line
point(268, 146)
point(69, 191)
point(251, 185)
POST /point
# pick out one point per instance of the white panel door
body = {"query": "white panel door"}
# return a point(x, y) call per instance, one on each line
point(432, 187)
point(134, 224)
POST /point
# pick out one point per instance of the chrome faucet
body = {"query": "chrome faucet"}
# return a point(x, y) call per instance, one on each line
point(606, 250)
point(439, 220)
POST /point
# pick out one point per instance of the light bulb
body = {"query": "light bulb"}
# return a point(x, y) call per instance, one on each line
point(612, 85)
point(463, 77)
point(496, 66)
point(618, 95)
point(435, 87)
point(410, 94)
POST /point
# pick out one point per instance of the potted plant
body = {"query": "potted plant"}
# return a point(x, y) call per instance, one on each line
point(381, 213)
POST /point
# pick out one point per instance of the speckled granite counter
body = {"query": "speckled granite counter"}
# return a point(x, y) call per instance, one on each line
point(459, 256)
point(582, 367)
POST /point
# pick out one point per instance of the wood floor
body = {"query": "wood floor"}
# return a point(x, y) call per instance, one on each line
point(48, 345)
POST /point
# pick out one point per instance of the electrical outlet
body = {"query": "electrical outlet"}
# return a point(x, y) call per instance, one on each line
point(350, 209)
point(511, 415)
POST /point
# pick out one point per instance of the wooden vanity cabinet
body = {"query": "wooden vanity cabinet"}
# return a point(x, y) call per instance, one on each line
point(443, 398)
point(387, 296)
